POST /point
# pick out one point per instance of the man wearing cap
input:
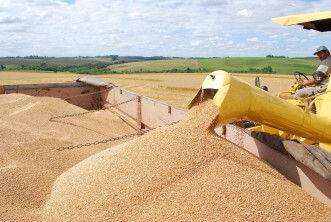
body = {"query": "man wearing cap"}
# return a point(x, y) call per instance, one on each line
point(321, 75)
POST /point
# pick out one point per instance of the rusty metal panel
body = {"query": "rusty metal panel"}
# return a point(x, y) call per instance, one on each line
point(155, 114)
point(125, 101)
point(140, 111)
point(79, 94)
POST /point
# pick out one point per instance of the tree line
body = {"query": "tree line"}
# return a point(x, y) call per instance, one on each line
point(102, 68)
point(97, 68)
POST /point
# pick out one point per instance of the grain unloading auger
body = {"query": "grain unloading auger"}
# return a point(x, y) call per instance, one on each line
point(238, 100)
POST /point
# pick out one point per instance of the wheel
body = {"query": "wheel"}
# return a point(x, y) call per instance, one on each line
point(299, 76)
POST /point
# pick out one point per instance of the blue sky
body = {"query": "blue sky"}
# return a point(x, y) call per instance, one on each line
point(73, 1)
point(187, 28)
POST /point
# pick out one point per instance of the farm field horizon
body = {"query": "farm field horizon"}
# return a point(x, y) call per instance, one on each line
point(125, 65)
point(176, 89)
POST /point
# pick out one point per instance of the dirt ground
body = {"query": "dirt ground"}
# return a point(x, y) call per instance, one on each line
point(174, 89)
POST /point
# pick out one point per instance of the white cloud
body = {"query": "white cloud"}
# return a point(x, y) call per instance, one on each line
point(245, 12)
point(196, 43)
point(146, 27)
point(253, 39)
point(134, 14)
point(6, 18)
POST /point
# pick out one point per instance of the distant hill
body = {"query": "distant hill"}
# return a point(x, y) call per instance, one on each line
point(157, 65)
point(237, 65)
point(137, 64)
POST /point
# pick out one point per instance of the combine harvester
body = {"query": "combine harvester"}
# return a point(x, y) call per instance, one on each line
point(282, 132)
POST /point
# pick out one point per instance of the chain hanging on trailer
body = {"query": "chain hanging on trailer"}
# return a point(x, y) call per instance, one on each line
point(91, 111)
point(111, 139)
point(97, 142)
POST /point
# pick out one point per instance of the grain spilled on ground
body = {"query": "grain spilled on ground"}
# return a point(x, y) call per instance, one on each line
point(178, 173)
point(29, 159)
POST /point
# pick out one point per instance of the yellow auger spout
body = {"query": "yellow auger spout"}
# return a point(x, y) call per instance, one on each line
point(238, 100)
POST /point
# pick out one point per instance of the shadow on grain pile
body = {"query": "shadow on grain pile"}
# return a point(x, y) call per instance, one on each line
point(175, 173)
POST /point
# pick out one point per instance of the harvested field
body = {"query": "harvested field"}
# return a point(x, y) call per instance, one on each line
point(174, 89)
point(35, 77)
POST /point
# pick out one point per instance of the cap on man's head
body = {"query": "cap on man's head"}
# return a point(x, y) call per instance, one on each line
point(320, 48)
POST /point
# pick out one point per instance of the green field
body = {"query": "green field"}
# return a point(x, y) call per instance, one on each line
point(279, 65)
point(235, 65)
point(158, 65)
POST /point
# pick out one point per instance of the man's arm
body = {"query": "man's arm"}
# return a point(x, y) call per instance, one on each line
point(308, 83)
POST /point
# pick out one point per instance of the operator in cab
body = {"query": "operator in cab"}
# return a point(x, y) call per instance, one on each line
point(320, 79)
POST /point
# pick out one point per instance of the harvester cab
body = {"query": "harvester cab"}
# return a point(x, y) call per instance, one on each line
point(318, 21)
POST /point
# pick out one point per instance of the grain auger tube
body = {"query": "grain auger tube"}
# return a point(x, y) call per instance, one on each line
point(238, 100)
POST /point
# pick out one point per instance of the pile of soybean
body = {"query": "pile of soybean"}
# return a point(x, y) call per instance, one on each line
point(30, 161)
point(178, 173)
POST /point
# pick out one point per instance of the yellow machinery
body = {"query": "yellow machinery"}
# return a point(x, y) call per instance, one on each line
point(289, 118)
point(238, 100)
